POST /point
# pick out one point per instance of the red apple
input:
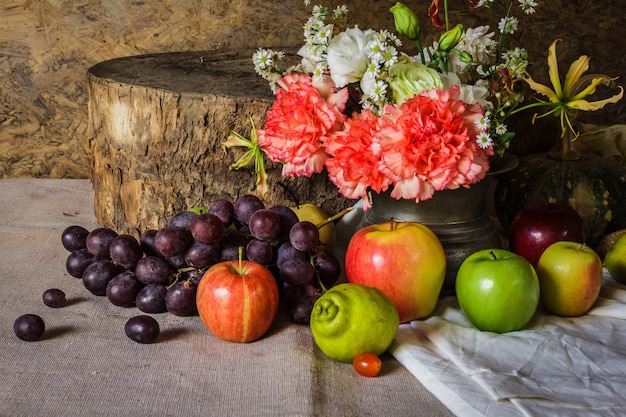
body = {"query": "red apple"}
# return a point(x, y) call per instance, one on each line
point(497, 290)
point(570, 277)
point(237, 300)
point(404, 260)
point(538, 225)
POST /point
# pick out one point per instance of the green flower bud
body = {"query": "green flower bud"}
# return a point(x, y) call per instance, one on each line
point(407, 80)
point(465, 57)
point(449, 39)
point(407, 23)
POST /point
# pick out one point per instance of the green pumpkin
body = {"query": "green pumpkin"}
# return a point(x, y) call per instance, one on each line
point(595, 187)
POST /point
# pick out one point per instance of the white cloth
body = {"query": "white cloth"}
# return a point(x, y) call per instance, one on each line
point(554, 366)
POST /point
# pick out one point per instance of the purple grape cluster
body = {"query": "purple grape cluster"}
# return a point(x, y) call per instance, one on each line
point(144, 273)
point(159, 271)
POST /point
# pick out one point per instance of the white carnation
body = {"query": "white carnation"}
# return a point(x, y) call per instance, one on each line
point(347, 55)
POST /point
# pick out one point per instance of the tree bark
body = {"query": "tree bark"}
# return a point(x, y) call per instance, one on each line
point(157, 123)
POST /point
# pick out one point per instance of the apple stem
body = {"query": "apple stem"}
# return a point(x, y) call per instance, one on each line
point(493, 255)
point(240, 253)
point(392, 223)
point(335, 217)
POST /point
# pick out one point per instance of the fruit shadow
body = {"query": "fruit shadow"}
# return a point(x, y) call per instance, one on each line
point(57, 332)
point(74, 300)
point(170, 334)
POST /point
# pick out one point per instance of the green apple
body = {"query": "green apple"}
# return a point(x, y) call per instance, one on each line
point(615, 260)
point(570, 276)
point(350, 319)
point(497, 290)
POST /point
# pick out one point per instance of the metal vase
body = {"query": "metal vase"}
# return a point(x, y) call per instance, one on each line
point(458, 217)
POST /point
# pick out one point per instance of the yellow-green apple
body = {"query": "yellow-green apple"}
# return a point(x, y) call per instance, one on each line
point(350, 319)
point(570, 276)
point(237, 300)
point(615, 260)
point(497, 290)
point(538, 225)
point(404, 260)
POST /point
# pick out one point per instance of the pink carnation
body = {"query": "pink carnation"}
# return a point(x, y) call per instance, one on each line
point(437, 147)
point(355, 157)
point(296, 123)
point(426, 144)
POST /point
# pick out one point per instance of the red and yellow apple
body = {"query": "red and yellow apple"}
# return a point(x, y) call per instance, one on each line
point(404, 260)
point(538, 225)
point(237, 300)
point(497, 290)
point(570, 276)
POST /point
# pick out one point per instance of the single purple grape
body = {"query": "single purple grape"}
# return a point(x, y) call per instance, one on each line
point(297, 271)
point(153, 270)
point(265, 225)
point(172, 241)
point(29, 327)
point(327, 266)
point(74, 238)
point(97, 276)
point(260, 251)
point(54, 298)
point(98, 241)
point(180, 299)
point(202, 255)
point(146, 240)
point(304, 236)
point(122, 290)
point(182, 219)
point(151, 299)
point(223, 209)
point(142, 329)
point(286, 251)
point(77, 261)
point(125, 250)
point(207, 228)
point(245, 206)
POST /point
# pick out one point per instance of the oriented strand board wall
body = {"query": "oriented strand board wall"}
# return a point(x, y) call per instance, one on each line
point(46, 47)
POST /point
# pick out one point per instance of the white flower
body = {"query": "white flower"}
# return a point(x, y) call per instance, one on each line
point(484, 140)
point(479, 43)
point(319, 12)
point(483, 123)
point(347, 55)
point(501, 129)
point(323, 35)
point(374, 89)
point(528, 6)
point(263, 59)
point(340, 11)
point(508, 25)
point(376, 50)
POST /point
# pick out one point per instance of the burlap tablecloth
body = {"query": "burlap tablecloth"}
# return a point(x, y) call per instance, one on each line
point(86, 366)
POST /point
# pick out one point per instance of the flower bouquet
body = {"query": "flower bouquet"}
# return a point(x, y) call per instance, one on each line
point(375, 118)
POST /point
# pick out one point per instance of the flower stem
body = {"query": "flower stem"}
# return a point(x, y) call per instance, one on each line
point(564, 149)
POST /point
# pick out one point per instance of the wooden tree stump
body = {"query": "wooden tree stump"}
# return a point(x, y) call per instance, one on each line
point(157, 123)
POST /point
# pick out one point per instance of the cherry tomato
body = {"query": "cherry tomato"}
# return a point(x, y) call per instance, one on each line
point(367, 364)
